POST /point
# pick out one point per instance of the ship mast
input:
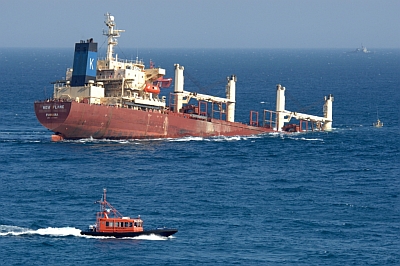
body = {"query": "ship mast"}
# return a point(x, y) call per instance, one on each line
point(106, 207)
point(111, 34)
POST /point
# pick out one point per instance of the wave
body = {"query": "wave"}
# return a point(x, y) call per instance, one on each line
point(293, 136)
point(308, 139)
point(182, 139)
point(46, 139)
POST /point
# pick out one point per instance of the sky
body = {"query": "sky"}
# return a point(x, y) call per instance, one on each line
point(305, 24)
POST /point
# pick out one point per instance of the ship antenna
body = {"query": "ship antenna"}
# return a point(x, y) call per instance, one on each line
point(106, 206)
point(111, 34)
point(103, 202)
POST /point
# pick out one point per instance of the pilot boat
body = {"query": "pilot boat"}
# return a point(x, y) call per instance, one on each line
point(378, 122)
point(111, 223)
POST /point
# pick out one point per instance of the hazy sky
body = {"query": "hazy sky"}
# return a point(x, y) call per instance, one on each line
point(205, 23)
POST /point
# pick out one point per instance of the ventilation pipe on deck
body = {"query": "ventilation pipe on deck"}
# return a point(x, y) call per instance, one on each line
point(178, 87)
point(230, 94)
point(328, 112)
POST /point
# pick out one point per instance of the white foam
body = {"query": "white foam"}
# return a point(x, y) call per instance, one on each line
point(308, 139)
point(49, 231)
point(148, 237)
point(188, 139)
point(182, 139)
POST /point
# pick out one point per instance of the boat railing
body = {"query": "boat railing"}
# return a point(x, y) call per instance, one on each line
point(125, 61)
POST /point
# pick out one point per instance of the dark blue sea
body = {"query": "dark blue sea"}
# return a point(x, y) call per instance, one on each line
point(317, 198)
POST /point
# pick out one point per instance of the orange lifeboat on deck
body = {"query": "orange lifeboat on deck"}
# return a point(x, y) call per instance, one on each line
point(151, 88)
point(163, 82)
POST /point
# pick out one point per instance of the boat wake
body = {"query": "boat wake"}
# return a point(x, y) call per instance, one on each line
point(149, 237)
point(10, 230)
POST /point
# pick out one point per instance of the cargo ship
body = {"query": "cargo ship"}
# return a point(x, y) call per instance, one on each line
point(113, 98)
point(111, 223)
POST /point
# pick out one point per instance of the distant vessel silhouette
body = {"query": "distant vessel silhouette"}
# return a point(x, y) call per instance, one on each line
point(363, 49)
point(378, 122)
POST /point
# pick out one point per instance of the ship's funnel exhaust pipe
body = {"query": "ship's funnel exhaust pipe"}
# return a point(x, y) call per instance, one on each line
point(85, 63)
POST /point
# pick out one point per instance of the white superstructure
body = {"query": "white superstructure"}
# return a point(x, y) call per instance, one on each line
point(118, 82)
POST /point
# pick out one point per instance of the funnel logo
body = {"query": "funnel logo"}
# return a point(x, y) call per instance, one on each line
point(91, 64)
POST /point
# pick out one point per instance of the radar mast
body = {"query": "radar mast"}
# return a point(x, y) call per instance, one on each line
point(111, 34)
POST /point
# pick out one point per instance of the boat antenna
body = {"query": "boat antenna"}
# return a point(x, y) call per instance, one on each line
point(104, 194)
point(111, 34)
point(377, 115)
point(105, 206)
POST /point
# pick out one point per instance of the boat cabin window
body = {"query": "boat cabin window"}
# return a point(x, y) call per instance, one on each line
point(109, 224)
point(138, 224)
point(123, 224)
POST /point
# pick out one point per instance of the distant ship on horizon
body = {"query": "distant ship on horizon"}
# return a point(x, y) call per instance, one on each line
point(363, 49)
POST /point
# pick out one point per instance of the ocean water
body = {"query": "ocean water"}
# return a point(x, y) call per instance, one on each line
point(318, 198)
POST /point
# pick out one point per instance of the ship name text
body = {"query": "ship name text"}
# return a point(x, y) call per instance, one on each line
point(56, 106)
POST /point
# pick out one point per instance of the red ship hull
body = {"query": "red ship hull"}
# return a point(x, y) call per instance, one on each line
point(73, 120)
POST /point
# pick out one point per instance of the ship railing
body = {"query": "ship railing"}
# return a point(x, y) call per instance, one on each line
point(269, 119)
point(125, 61)
point(60, 83)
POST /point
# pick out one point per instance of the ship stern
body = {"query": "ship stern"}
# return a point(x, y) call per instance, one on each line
point(52, 114)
